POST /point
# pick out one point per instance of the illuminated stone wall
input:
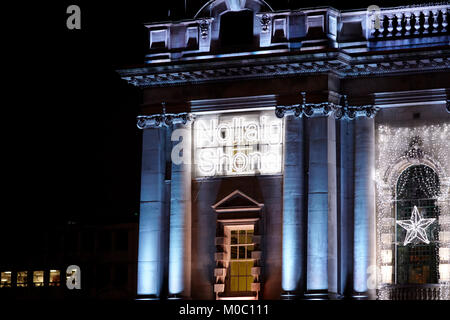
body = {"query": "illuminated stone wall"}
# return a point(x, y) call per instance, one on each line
point(264, 189)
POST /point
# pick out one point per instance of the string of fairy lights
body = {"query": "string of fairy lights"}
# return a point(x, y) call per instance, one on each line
point(425, 179)
point(400, 148)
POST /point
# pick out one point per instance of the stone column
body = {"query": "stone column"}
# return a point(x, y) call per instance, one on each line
point(321, 204)
point(346, 174)
point(364, 253)
point(294, 216)
point(151, 221)
point(332, 210)
point(180, 213)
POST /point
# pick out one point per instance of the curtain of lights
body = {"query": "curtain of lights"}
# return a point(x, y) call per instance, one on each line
point(412, 169)
point(417, 262)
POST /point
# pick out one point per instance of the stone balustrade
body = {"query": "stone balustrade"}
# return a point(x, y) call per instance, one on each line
point(404, 22)
point(411, 292)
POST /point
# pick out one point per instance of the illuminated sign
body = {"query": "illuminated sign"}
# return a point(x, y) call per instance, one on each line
point(238, 144)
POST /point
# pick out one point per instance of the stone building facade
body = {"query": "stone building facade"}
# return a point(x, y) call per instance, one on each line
point(295, 154)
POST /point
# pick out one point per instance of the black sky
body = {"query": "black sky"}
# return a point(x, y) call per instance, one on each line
point(71, 147)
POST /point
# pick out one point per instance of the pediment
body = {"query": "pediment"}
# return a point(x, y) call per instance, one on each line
point(237, 201)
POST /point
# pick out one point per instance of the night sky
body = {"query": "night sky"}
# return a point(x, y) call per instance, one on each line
point(71, 147)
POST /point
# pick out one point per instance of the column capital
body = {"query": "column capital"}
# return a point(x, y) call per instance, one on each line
point(163, 120)
point(353, 112)
point(308, 110)
point(340, 111)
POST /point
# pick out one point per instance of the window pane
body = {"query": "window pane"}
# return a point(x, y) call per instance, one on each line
point(249, 251)
point(249, 267)
point(5, 279)
point(249, 236)
point(38, 278)
point(234, 284)
point(242, 237)
point(242, 268)
point(234, 252)
point(55, 277)
point(242, 252)
point(242, 284)
point(22, 277)
point(234, 237)
point(234, 268)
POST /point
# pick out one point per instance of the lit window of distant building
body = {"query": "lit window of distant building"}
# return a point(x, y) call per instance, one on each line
point(22, 279)
point(55, 278)
point(38, 278)
point(5, 279)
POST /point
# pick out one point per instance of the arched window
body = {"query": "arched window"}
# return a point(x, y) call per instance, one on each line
point(417, 228)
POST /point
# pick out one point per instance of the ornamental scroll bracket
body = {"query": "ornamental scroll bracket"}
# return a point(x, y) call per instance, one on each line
point(340, 111)
point(265, 23)
point(204, 28)
point(163, 119)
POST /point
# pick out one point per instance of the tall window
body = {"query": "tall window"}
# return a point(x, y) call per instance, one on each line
point(240, 271)
point(416, 260)
point(38, 278)
point(22, 278)
point(55, 278)
point(5, 279)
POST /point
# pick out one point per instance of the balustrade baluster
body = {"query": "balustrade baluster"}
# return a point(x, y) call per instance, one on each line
point(416, 22)
point(390, 27)
point(399, 23)
point(373, 31)
point(435, 14)
point(381, 30)
point(444, 20)
point(407, 23)
point(426, 22)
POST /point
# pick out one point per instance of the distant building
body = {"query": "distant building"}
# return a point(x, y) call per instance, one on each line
point(295, 154)
point(105, 254)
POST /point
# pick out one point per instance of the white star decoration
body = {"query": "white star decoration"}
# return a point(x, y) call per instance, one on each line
point(415, 227)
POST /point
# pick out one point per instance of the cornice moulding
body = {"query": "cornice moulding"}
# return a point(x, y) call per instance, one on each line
point(344, 68)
